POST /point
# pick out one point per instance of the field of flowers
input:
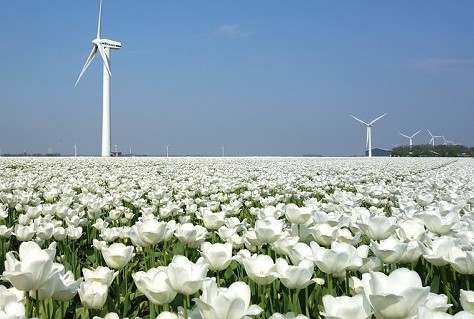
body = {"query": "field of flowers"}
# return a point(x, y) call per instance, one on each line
point(215, 238)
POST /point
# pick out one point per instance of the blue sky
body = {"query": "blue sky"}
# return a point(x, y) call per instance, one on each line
point(257, 77)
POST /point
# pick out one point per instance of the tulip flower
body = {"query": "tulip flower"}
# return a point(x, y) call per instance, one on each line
point(185, 276)
point(296, 277)
point(438, 255)
point(148, 231)
point(437, 223)
point(191, 235)
point(297, 215)
point(230, 303)
point(93, 294)
point(389, 250)
point(31, 271)
point(167, 315)
point(60, 285)
point(377, 227)
point(390, 299)
point(299, 252)
point(336, 260)
point(426, 313)
point(260, 268)
point(101, 274)
point(211, 220)
point(283, 245)
point(344, 307)
point(154, 284)
point(411, 230)
point(218, 256)
point(24, 233)
point(117, 255)
point(323, 233)
point(11, 306)
point(268, 230)
point(467, 300)
point(424, 199)
point(462, 261)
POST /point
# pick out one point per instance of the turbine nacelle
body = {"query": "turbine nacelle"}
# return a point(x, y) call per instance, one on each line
point(107, 43)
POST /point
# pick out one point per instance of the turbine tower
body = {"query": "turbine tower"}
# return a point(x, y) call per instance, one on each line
point(410, 137)
point(369, 131)
point(103, 46)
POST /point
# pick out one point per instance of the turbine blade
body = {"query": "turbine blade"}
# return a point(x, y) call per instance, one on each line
point(404, 135)
point(415, 134)
point(98, 24)
point(430, 133)
point(378, 118)
point(104, 57)
point(88, 62)
point(355, 118)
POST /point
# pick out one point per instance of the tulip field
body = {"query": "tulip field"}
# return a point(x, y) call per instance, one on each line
point(231, 238)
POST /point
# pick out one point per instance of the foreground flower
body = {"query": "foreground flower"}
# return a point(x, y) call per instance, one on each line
point(296, 277)
point(154, 284)
point(467, 300)
point(10, 304)
point(117, 255)
point(337, 260)
point(426, 313)
point(268, 230)
point(185, 276)
point(32, 269)
point(101, 274)
point(344, 307)
point(377, 227)
point(392, 300)
point(218, 256)
point(229, 303)
point(60, 285)
point(93, 294)
point(297, 215)
point(260, 268)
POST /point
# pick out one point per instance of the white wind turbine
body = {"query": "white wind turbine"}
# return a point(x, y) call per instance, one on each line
point(433, 138)
point(410, 137)
point(369, 131)
point(103, 46)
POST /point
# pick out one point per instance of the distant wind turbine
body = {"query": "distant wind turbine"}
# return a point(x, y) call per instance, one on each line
point(369, 131)
point(433, 138)
point(103, 46)
point(410, 137)
point(446, 142)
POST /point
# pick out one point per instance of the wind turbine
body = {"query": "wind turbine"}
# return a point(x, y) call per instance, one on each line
point(410, 137)
point(433, 138)
point(446, 142)
point(369, 131)
point(103, 46)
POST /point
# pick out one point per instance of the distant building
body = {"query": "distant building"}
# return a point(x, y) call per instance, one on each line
point(379, 152)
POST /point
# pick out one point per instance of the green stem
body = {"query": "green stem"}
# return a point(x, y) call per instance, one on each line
point(306, 301)
point(28, 305)
point(36, 308)
point(296, 302)
point(347, 282)
point(185, 306)
point(152, 309)
point(126, 302)
point(330, 284)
